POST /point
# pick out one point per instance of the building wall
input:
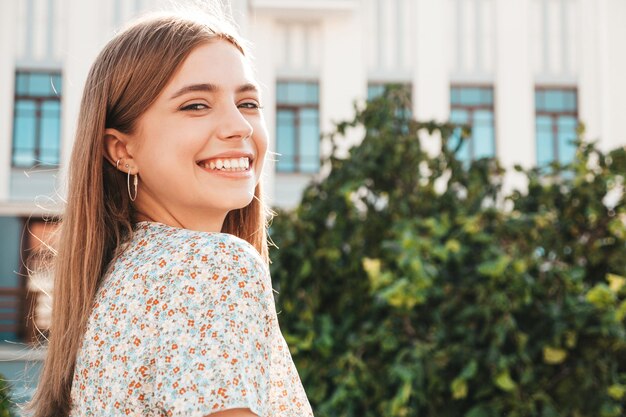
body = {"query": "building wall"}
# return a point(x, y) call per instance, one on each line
point(344, 44)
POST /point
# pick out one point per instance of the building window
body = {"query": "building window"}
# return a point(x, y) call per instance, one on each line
point(297, 126)
point(375, 89)
point(555, 123)
point(473, 107)
point(37, 119)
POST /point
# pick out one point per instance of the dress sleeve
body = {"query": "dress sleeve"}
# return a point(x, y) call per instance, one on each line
point(214, 332)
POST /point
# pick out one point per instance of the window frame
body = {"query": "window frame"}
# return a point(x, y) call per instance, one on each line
point(554, 117)
point(408, 85)
point(39, 101)
point(296, 110)
point(471, 109)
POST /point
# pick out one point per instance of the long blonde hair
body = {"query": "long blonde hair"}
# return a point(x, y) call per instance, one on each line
point(125, 79)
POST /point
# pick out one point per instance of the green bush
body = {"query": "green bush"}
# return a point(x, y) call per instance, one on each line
point(400, 297)
point(6, 404)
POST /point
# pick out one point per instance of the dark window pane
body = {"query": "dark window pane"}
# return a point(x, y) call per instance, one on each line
point(455, 96)
point(488, 96)
point(297, 93)
point(554, 101)
point(375, 90)
point(483, 117)
point(469, 96)
point(459, 116)
point(569, 101)
point(309, 136)
point(545, 140)
point(539, 100)
point(56, 85)
point(21, 84)
point(50, 132)
point(25, 125)
point(40, 85)
point(483, 135)
point(286, 140)
point(566, 138)
point(26, 118)
point(312, 93)
point(464, 151)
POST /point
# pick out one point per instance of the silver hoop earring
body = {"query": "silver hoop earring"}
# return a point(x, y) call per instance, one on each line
point(117, 163)
point(135, 181)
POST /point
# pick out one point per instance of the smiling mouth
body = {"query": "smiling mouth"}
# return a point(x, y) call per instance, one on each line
point(227, 164)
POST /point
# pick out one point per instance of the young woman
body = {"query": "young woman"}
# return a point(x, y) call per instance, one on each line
point(163, 304)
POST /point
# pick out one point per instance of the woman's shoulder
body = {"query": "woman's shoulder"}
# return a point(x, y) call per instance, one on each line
point(164, 263)
point(190, 270)
point(176, 239)
point(166, 247)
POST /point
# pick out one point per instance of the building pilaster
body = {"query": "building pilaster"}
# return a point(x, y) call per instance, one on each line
point(8, 40)
point(514, 90)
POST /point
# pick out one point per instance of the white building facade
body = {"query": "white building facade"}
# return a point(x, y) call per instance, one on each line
point(521, 72)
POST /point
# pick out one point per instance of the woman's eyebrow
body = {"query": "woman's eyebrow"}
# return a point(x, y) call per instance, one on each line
point(212, 88)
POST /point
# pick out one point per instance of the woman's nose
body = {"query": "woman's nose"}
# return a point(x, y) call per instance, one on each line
point(233, 125)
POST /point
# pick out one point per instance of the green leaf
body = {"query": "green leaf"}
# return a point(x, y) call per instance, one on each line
point(453, 246)
point(549, 411)
point(494, 268)
point(610, 410)
point(616, 391)
point(601, 296)
point(372, 268)
point(504, 382)
point(616, 282)
point(570, 339)
point(620, 312)
point(554, 356)
point(469, 371)
point(458, 388)
point(520, 266)
point(478, 411)
point(400, 294)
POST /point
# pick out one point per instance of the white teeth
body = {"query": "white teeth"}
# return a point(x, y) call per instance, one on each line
point(231, 164)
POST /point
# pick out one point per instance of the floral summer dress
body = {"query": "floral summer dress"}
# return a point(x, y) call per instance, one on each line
point(184, 324)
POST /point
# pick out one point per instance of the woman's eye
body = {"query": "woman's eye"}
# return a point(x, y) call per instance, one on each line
point(195, 106)
point(250, 105)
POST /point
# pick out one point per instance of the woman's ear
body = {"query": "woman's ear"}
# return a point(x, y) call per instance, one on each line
point(115, 149)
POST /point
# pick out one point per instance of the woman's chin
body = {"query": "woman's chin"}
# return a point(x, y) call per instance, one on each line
point(230, 203)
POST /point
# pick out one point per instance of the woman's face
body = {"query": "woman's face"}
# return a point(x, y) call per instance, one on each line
point(199, 149)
